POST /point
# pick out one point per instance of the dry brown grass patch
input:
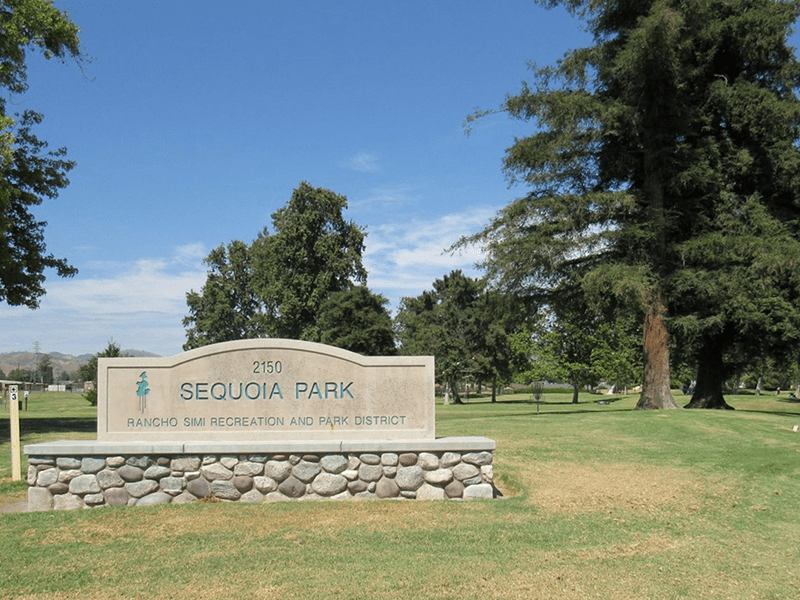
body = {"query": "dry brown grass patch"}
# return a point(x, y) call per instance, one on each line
point(318, 518)
point(202, 591)
point(569, 488)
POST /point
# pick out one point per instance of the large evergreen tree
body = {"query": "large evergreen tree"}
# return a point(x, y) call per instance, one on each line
point(655, 148)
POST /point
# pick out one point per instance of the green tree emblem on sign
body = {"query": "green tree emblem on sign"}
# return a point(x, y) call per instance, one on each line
point(142, 391)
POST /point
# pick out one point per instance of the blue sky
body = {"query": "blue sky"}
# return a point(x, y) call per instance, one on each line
point(194, 121)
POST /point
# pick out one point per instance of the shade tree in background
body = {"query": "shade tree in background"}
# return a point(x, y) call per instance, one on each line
point(88, 372)
point(439, 322)
point(357, 320)
point(497, 317)
point(295, 283)
point(227, 307)
point(463, 327)
point(313, 253)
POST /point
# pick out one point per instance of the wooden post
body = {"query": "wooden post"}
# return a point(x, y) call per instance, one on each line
point(16, 469)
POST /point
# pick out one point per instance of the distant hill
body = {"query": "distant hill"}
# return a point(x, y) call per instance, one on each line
point(61, 362)
point(136, 353)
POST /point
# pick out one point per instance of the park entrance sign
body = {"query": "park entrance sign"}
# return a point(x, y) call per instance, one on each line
point(265, 389)
point(260, 421)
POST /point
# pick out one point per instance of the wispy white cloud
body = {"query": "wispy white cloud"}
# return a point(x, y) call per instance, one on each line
point(404, 259)
point(384, 197)
point(140, 304)
point(364, 162)
point(190, 253)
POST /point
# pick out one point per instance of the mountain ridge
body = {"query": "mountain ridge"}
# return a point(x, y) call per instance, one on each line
point(61, 362)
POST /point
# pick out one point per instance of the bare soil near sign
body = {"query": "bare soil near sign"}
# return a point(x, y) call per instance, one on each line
point(599, 501)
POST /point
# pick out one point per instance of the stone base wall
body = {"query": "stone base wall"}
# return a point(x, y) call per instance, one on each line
point(67, 482)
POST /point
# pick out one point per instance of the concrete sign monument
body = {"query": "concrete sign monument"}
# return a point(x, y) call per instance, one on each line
point(265, 389)
point(260, 420)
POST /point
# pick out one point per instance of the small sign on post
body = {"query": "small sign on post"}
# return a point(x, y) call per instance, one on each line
point(16, 469)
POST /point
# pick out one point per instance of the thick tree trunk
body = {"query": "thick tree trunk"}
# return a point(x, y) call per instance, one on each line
point(456, 395)
point(798, 383)
point(656, 385)
point(710, 377)
point(575, 390)
point(657, 137)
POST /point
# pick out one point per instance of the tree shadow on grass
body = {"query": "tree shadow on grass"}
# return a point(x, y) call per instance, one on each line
point(792, 408)
point(581, 408)
point(47, 426)
point(600, 400)
point(776, 413)
point(533, 414)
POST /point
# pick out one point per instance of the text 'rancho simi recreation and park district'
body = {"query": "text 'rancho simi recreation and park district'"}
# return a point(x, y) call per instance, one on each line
point(265, 389)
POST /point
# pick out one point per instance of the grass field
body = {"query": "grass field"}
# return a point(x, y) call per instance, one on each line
point(600, 501)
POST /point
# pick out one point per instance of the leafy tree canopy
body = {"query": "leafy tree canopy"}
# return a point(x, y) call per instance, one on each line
point(226, 308)
point(277, 286)
point(457, 323)
point(357, 320)
point(20, 375)
point(313, 253)
point(28, 171)
point(88, 372)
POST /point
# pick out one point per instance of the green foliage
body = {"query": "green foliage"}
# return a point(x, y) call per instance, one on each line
point(226, 308)
point(32, 24)
point(357, 320)
point(439, 322)
point(497, 316)
point(89, 371)
point(313, 253)
point(580, 346)
point(561, 353)
point(20, 375)
point(28, 171)
point(277, 286)
point(617, 353)
point(91, 395)
point(462, 326)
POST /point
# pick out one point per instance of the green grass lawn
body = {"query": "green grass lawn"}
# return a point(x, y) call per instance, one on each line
point(600, 501)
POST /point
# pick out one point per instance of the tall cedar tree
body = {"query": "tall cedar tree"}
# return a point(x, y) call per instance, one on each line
point(655, 148)
point(28, 172)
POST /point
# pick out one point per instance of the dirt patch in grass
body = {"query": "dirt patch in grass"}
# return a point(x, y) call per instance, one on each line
point(570, 488)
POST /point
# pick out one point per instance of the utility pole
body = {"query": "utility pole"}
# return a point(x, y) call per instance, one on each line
point(36, 347)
